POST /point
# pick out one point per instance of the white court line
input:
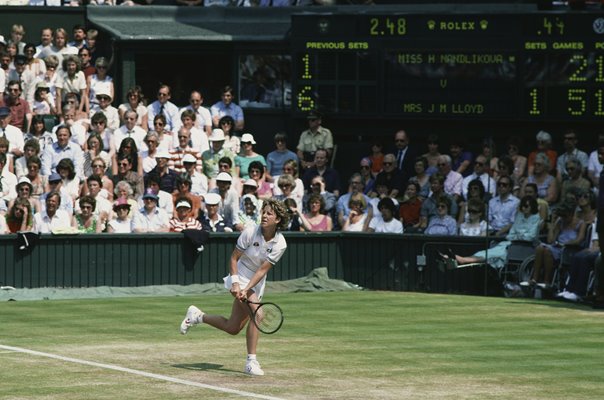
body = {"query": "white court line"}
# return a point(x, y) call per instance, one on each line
point(141, 373)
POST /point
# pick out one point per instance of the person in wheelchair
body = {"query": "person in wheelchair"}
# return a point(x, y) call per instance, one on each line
point(567, 229)
point(525, 228)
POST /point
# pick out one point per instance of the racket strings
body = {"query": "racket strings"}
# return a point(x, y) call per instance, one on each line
point(268, 318)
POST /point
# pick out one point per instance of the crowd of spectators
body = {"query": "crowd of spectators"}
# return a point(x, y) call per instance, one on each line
point(62, 131)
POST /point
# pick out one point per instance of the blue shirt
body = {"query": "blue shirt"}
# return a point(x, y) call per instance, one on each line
point(276, 159)
point(441, 226)
point(502, 212)
point(219, 109)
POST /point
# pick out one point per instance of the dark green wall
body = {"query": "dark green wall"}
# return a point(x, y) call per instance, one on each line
point(34, 19)
point(380, 262)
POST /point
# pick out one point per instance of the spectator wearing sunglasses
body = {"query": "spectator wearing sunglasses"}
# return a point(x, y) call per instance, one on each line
point(480, 172)
point(475, 225)
point(573, 178)
point(104, 98)
point(163, 106)
point(502, 208)
point(571, 152)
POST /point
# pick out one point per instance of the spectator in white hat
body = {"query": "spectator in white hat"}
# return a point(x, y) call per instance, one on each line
point(229, 204)
point(247, 156)
point(167, 176)
point(212, 219)
point(199, 182)
point(249, 213)
point(210, 158)
point(183, 219)
point(104, 98)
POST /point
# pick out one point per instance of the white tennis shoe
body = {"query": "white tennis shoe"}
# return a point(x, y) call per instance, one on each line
point(252, 367)
point(193, 317)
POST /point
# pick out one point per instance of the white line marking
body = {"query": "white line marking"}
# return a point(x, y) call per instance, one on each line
point(141, 373)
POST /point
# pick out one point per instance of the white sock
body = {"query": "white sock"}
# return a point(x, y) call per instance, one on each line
point(251, 357)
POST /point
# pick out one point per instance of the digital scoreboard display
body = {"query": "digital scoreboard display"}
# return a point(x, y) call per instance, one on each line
point(535, 66)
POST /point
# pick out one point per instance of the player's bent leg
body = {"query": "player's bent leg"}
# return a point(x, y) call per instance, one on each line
point(235, 323)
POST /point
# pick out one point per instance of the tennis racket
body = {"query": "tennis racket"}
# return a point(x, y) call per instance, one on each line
point(267, 317)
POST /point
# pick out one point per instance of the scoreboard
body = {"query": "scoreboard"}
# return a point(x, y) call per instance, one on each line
point(535, 66)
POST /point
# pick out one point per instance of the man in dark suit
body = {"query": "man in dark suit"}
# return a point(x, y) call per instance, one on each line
point(405, 156)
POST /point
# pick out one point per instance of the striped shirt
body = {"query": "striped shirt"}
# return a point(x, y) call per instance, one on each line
point(178, 226)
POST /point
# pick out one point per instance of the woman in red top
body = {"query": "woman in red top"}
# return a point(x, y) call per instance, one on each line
point(20, 216)
point(411, 206)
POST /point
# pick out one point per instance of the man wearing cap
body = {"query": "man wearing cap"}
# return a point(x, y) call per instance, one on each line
point(229, 198)
point(51, 218)
point(150, 218)
point(131, 130)
point(183, 219)
point(11, 133)
point(315, 137)
point(199, 182)
point(203, 118)
point(164, 106)
point(63, 148)
point(8, 184)
point(212, 219)
point(211, 157)
point(226, 106)
point(166, 175)
point(20, 112)
point(113, 117)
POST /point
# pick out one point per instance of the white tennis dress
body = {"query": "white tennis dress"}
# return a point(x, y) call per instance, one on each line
point(255, 252)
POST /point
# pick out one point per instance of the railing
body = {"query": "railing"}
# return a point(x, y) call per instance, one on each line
point(373, 261)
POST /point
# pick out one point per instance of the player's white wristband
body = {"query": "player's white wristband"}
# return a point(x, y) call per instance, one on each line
point(234, 279)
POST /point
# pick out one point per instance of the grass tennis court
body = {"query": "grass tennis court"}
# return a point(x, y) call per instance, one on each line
point(343, 345)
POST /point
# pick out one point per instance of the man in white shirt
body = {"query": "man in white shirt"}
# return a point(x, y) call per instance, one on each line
point(52, 218)
point(8, 184)
point(480, 173)
point(453, 179)
point(203, 119)
point(12, 133)
point(150, 218)
point(229, 204)
point(46, 36)
point(385, 223)
point(130, 129)
point(163, 106)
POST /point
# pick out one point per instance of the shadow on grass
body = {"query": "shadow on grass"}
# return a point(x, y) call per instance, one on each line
point(554, 303)
point(206, 367)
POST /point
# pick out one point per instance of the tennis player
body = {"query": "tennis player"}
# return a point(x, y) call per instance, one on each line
point(258, 249)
